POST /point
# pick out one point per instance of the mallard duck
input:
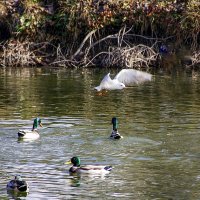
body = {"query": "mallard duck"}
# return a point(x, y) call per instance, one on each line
point(125, 77)
point(91, 169)
point(18, 185)
point(31, 134)
point(115, 134)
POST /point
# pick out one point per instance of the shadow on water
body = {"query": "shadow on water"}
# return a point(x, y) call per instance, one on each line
point(17, 195)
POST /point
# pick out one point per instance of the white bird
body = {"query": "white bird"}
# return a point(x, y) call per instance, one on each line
point(125, 77)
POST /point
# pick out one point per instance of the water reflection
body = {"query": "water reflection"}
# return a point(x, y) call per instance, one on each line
point(78, 179)
point(75, 181)
point(28, 140)
point(17, 195)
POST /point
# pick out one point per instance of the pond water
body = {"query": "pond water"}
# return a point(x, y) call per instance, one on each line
point(158, 158)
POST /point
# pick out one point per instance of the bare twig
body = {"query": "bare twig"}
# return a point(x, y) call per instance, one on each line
point(82, 44)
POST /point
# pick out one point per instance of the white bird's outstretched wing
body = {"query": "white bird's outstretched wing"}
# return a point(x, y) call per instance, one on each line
point(131, 76)
point(105, 83)
point(106, 79)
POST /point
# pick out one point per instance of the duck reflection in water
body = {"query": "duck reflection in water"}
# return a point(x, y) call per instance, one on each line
point(17, 195)
point(75, 181)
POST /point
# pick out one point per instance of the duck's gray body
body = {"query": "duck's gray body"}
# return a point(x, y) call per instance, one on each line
point(90, 169)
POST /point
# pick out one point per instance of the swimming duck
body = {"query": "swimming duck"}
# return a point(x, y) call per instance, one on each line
point(91, 169)
point(31, 134)
point(18, 185)
point(115, 134)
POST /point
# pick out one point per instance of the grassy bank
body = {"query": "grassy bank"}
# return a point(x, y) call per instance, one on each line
point(128, 33)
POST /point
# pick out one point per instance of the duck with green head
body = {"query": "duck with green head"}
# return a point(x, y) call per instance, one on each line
point(18, 185)
point(94, 169)
point(33, 133)
point(115, 134)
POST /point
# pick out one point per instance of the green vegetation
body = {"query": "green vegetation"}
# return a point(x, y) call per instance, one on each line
point(79, 33)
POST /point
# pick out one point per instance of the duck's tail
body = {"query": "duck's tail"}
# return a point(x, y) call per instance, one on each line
point(22, 186)
point(108, 168)
point(21, 133)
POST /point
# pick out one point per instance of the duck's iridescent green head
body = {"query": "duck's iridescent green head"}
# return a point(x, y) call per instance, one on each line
point(36, 122)
point(115, 123)
point(76, 161)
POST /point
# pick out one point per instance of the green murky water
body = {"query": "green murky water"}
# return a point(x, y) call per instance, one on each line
point(158, 158)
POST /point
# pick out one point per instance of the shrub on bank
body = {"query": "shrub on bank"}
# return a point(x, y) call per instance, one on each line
point(59, 27)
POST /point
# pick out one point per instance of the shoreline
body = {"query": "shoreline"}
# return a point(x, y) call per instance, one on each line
point(100, 33)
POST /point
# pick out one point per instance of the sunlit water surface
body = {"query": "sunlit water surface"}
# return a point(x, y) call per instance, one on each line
point(158, 158)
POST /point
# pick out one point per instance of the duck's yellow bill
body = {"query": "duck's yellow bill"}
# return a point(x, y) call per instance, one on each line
point(68, 162)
